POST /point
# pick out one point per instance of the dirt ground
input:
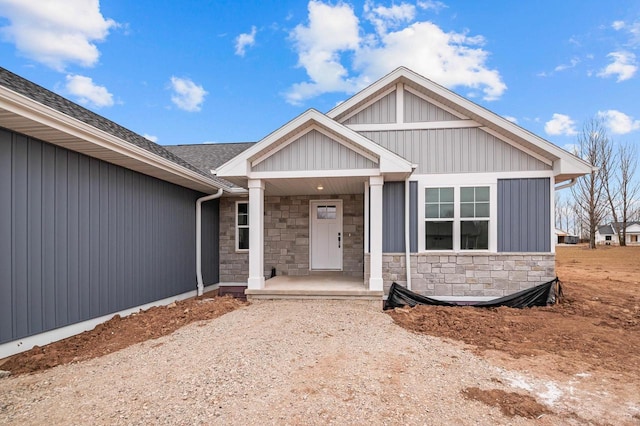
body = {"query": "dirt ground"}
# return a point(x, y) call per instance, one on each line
point(119, 333)
point(593, 333)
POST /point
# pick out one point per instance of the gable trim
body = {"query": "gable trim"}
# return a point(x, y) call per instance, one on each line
point(422, 125)
point(319, 129)
point(388, 161)
point(516, 145)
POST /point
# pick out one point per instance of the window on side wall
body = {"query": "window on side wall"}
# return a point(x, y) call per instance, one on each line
point(474, 218)
point(457, 218)
point(439, 214)
point(242, 226)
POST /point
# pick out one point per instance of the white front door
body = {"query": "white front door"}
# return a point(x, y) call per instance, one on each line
point(326, 234)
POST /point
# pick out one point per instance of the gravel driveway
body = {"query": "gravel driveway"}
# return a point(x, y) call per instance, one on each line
point(283, 362)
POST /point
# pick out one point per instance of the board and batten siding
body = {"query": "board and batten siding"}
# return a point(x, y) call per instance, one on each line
point(468, 150)
point(393, 217)
point(524, 215)
point(417, 110)
point(382, 111)
point(314, 151)
point(81, 238)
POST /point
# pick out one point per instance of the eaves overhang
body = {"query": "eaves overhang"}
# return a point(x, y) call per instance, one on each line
point(24, 115)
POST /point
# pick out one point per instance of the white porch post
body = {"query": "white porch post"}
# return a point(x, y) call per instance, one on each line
point(375, 225)
point(256, 235)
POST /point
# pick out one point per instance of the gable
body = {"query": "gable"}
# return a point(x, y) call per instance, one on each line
point(469, 150)
point(408, 86)
point(314, 151)
point(380, 112)
point(634, 227)
point(417, 109)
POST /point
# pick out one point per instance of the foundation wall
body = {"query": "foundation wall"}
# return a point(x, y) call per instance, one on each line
point(469, 274)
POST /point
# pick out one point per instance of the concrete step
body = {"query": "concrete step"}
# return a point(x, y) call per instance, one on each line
point(280, 294)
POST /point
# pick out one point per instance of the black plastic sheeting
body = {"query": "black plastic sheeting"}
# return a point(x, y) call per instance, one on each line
point(540, 295)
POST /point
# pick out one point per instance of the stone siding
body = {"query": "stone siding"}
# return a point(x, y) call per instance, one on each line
point(286, 235)
point(467, 274)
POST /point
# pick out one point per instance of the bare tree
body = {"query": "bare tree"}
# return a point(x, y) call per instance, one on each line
point(629, 190)
point(610, 184)
point(588, 191)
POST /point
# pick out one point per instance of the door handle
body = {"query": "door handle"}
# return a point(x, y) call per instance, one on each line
point(339, 237)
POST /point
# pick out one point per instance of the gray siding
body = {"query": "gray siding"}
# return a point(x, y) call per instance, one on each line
point(468, 150)
point(417, 109)
point(81, 238)
point(393, 217)
point(314, 151)
point(524, 215)
point(381, 112)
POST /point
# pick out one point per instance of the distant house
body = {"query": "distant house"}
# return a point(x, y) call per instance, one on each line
point(405, 181)
point(564, 237)
point(608, 234)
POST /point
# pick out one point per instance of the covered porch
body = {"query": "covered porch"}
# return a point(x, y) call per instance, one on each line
point(314, 210)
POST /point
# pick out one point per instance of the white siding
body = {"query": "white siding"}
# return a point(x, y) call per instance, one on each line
point(468, 150)
point(314, 151)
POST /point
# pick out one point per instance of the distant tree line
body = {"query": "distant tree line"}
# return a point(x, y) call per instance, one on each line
point(609, 193)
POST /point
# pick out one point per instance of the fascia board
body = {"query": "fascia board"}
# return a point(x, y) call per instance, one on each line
point(50, 117)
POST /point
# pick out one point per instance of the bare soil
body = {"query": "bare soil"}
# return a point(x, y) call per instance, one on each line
point(119, 333)
point(590, 340)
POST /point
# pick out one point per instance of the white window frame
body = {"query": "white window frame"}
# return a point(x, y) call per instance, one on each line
point(238, 226)
point(457, 181)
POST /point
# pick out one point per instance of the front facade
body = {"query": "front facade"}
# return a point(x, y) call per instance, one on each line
point(405, 181)
point(445, 197)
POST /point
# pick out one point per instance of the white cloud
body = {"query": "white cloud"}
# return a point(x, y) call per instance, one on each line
point(56, 33)
point(150, 137)
point(434, 5)
point(331, 30)
point(564, 67)
point(623, 65)
point(334, 36)
point(618, 25)
point(245, 40)
point(187, 95)
point(384, 18)
point(87, 92)
point(619, 122)
point(560, 124)
point(511, 118)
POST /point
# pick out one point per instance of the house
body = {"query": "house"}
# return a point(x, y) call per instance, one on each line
point(563, 237)
point(405, 181)
point(608, 234)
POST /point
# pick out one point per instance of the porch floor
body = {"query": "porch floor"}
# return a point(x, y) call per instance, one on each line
point(317, 286)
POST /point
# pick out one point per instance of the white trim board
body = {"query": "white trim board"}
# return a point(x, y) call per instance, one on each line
point(41, 339)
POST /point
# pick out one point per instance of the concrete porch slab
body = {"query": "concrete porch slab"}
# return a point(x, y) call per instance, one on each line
point(317, 286)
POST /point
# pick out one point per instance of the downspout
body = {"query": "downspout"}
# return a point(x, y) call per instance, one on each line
point(407, 232)
point(199, 202)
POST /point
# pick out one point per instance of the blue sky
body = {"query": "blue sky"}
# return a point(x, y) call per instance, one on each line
point(232, 71)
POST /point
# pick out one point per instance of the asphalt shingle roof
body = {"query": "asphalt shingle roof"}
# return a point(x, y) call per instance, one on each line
point(46, 97)
point(209, 156)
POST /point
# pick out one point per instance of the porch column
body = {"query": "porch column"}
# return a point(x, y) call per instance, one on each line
point(375, 238)
point(256, 235)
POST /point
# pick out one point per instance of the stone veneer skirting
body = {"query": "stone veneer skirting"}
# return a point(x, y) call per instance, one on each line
point(467, 274)
point(286, 237)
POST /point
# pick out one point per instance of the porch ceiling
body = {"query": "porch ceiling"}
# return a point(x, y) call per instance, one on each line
point(309, 186)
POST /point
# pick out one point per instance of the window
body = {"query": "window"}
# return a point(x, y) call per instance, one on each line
point(474, 214)
point(439, 218)
point(242, 226)
point(607, 237)
point(457, 218)
point(326, 212)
